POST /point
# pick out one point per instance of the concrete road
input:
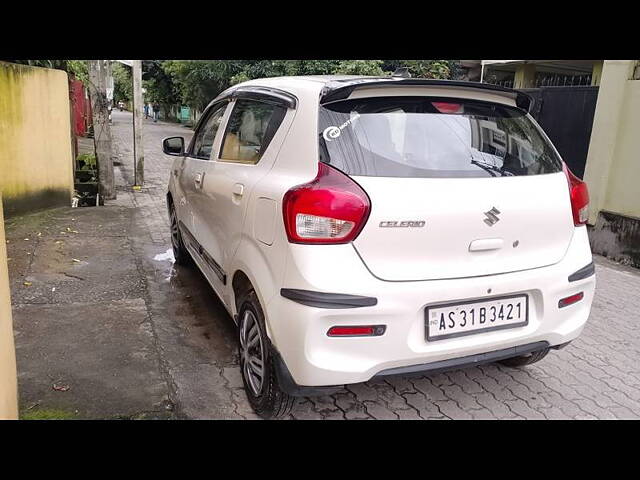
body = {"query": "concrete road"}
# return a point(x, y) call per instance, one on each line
point(152, 341)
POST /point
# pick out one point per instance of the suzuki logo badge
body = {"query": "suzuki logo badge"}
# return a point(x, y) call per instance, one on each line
point(492, 216)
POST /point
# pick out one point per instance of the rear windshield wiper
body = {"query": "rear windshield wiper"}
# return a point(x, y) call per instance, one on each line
point(492, 169)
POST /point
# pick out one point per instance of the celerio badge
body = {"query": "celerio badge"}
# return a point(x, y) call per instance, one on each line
point(405, 224)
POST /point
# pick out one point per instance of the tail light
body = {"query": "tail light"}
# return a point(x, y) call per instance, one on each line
point(330, 209)
point(579, 197)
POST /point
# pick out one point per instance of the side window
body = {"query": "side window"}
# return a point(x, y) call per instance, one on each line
point(251, 127)
point(207, 133)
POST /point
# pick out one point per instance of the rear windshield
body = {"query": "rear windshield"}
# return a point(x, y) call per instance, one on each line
point(432, 137)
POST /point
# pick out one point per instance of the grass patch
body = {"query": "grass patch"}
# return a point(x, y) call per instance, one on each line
point(46, 414)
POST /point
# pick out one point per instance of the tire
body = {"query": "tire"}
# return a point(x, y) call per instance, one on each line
point(524, 360)
point(264, 393)
point(180, 252)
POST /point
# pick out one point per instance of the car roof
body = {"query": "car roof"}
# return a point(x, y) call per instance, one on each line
point(308, 78)
point(338, 87)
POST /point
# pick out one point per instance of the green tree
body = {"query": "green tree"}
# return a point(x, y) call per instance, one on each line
point(438, 69)
point(250, 69)
point(79, 69)
point(239, 78)
point(122, 82)
point(196, 83)
point(159, 85)
point(359, 67)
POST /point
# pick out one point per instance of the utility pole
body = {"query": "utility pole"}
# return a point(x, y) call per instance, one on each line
point(138, 151)
point(109, 88)
point(101, 130)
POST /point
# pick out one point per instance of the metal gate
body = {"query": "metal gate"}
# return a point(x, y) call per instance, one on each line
point(566, 115)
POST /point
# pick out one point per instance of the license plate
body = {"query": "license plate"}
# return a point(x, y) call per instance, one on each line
point(466, 318)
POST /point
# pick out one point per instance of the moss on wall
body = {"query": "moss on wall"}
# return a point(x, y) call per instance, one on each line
point(33, 201)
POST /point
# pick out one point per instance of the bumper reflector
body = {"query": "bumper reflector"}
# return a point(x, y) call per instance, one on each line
point(357, 331)
point(570, 300)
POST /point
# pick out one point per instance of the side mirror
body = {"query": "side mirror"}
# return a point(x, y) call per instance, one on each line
point(173, 146)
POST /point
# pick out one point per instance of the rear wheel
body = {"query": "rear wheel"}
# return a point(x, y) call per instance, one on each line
point(180, 252)
point(523, 360)
point(257, 363)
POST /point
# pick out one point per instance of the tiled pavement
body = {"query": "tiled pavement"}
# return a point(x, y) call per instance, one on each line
point(597, 376)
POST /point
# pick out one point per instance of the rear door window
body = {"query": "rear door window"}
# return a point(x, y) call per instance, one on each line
point(250, 128)
point(432, 137)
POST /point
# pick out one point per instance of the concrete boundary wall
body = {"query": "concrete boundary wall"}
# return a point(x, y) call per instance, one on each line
point(8, 379)
point(613, 168)
point(36, 164)
point(613, 165)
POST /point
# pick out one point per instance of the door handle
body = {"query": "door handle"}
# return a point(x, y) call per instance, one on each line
point(486, 244)
point(238, 189)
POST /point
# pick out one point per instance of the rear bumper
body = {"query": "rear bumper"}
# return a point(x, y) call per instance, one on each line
point(468, 361)
point(299, 331)
point(288, 384)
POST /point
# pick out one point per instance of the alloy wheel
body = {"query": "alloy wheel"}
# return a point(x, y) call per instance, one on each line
point(175, 232)
point(252, 352)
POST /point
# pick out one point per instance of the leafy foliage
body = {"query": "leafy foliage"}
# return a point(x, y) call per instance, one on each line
point(87, 161)
point(158, 83)
point(360, 67)
point(195, 83)
point(122, 82)
point(438, 69)
point(79, 69)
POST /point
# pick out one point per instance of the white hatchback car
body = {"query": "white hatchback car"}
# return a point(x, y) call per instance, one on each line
point(358, 227)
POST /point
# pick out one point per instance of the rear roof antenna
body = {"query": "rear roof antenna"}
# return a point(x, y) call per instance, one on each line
point(402, 72)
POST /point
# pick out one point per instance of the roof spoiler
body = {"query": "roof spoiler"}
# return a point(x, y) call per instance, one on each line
point(341, 89)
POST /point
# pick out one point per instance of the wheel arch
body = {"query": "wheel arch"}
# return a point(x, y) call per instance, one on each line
point(251, 270)
point(240, 285)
